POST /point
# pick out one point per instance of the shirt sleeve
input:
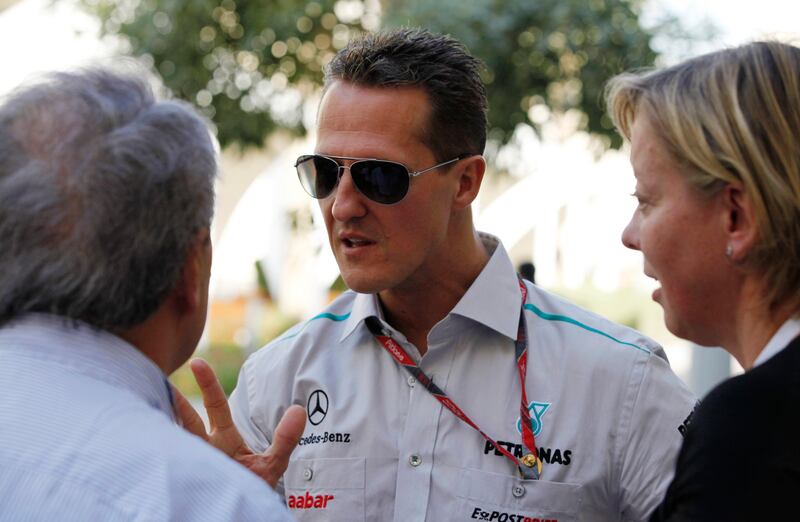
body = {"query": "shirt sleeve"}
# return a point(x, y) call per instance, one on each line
point(241, 404)
point(261, 508)
point(237, 503)
point(658, 408)
point(211, 486)
point(257, 406)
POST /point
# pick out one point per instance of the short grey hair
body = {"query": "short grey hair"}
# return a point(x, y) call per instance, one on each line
point(103, 190)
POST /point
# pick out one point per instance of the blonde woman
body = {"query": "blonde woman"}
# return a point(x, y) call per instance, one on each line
point(715, 147)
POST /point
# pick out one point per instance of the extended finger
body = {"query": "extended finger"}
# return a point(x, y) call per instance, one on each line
point(187, 416)
point(284, 440)
point(214, 399)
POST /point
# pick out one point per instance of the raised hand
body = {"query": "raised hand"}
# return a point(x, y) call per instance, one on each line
point(224, 436)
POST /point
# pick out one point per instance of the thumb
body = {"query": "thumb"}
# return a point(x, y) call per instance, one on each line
point(286, 436)
point(188, 416)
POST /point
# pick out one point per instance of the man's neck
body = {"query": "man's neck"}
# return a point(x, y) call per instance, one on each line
point(157, 338)
point(416, 307)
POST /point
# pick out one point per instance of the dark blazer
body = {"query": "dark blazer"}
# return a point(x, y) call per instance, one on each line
point(740, 459)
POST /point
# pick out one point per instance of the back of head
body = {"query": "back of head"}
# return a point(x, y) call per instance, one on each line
point(733, 116)
point(439, 65)
point(102, 191)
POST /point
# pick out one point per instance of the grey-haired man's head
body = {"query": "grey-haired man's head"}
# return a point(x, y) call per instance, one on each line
point(103, 190)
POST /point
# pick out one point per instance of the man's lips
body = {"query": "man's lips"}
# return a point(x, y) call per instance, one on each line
point(355, 240)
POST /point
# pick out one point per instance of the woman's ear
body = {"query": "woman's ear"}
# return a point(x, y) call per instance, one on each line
point(470, 177)
point(740, 222)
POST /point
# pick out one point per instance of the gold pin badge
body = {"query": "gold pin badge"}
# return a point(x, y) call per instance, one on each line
point(530, 461)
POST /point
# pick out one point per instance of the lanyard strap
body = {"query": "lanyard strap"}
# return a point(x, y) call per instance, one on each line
point(530, 466)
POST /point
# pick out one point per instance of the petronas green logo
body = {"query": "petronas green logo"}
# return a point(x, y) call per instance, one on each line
point(537, 411)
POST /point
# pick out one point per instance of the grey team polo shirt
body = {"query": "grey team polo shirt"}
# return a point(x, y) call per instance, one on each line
point(606, 408)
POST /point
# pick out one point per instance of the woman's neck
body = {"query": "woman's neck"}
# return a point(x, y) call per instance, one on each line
point(755, 324)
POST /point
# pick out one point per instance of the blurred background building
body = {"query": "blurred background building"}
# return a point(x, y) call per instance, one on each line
point(558, 188)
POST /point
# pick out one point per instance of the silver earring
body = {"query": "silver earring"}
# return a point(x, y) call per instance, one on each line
point(729, 251)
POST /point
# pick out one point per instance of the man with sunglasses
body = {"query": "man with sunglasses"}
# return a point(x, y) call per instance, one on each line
point(442, 386)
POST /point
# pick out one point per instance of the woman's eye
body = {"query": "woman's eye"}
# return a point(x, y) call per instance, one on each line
point(641, 201)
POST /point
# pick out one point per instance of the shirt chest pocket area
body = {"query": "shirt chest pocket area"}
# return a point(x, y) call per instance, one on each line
point(326, 489)
point(501, 498)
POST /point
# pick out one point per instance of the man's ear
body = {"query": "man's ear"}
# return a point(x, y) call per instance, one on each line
point(739, 220)
point(470, 176)
point(188, 293)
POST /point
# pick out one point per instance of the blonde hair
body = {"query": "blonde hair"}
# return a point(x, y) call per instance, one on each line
point(733, 116)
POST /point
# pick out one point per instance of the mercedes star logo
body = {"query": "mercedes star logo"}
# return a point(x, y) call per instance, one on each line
point(317, 407)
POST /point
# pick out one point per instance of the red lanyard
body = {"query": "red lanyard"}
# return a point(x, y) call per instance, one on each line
point(530, 466)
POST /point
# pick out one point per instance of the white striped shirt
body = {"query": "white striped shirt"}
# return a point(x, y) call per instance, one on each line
point(87, 433)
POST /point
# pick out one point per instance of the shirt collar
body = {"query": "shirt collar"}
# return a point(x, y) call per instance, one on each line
point(90, 351)
point(364, 305)
point(785, 334)
point(496, 284)
point(494, 298)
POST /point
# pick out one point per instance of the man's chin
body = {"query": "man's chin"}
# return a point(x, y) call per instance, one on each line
point(361, 287)
point(362, 283)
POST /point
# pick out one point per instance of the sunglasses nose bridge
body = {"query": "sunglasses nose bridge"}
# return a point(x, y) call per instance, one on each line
point(340, 173)
point(339, 168)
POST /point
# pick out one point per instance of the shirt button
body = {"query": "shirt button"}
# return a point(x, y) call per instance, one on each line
point(411, 381)
point(415, 460)
point(518, 491)
point(307, 473)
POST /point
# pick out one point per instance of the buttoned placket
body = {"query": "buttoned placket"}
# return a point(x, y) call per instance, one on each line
point(420, 432)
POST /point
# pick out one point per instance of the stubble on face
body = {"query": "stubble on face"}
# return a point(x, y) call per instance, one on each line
point(380, 247)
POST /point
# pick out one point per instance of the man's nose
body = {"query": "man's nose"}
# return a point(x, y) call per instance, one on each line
point(348, 202)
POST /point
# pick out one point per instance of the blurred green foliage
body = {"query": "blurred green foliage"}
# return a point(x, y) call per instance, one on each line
point(226, 359)
point(543, 57)
point(251, 65)
point(263, 282)
point(248, 65)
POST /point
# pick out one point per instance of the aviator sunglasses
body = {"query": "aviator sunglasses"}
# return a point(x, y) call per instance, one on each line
point(382, 181)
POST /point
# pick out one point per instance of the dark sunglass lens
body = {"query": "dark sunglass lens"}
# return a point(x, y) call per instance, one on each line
point(318, 175)
point(381, 181)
